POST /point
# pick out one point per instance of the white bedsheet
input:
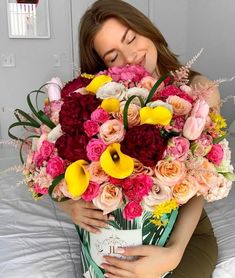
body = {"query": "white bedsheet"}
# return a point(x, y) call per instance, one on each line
point(37, 240)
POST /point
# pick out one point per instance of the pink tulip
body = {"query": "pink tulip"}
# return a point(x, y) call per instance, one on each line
point(195, 124)
point(54, 88)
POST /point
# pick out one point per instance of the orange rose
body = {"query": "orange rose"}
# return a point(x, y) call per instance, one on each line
point(180, 105)
point(169, 173)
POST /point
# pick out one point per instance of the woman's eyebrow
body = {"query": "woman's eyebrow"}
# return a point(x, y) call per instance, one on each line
point(122, 40)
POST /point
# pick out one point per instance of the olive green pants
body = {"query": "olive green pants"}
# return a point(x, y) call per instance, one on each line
point(200, 256)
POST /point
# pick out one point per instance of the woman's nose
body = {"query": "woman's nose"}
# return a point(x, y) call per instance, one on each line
point(130, 57)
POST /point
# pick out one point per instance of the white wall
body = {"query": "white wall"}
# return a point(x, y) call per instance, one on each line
point(34, 60)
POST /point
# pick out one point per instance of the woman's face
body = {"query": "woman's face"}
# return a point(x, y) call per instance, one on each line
point(118, 45)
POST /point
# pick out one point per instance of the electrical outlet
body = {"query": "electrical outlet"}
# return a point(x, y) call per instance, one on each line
point(8, 60)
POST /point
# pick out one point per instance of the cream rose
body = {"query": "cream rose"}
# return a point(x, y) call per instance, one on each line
point(97, 173)
point(133, 114)
point(109, 198)
point(169, 173)
point(156, 196)
point(112, 131)
point(111, 90)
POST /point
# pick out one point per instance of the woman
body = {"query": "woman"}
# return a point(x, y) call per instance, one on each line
point(113, 33)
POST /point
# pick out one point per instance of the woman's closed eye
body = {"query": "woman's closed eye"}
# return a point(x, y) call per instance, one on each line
point(129, 41)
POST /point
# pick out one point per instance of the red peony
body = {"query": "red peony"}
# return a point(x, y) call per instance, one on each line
point(73, 85)
point(72, 147)
point(145, 144)
point(75, 110)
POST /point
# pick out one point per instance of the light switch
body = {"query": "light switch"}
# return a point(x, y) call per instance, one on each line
point(7, 60)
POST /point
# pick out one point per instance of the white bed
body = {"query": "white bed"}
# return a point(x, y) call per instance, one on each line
point(39, 241)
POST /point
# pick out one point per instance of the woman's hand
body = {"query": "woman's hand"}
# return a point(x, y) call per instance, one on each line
point(152, 262)
point(85, 214)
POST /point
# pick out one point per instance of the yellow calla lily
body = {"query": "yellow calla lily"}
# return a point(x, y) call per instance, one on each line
point(111, 105)
point(157, 115)
point(115, 163)
point(77, 178)
point(97, 82)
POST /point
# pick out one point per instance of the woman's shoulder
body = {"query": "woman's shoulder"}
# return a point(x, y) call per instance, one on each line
point(212, 94)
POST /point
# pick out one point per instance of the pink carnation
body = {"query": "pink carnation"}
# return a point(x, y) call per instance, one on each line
point(99, 115)
point(91, 192)
point(55, 166)
point(137, 187)
point(91, 127)
point(95, 148)
point(216, 154)
point(38, 159)
point(40, 190)
point(46, 149)
point(132, 210)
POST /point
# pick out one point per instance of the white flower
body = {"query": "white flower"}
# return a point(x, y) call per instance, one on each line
point(160, 103)
point(142, 92)
point(55, 134)
point(111, 90)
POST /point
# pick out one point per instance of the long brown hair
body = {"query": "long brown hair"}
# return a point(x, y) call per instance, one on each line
point(99, 12)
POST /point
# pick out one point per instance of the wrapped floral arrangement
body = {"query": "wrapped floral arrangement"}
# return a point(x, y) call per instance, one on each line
point(135, 146)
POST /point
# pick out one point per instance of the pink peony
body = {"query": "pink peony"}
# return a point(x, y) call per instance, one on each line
point(99, 115)
point(132, 210)
point(91, 127)
point(178, 148)
point(46, 149)
point(55, 166)
point(91, 192)
point(95, 148)
point(216, 154)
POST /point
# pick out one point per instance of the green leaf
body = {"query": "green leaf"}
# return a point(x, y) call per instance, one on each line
point(125, 110)
point(219, 139)
point(155, 86)
point(228, 175)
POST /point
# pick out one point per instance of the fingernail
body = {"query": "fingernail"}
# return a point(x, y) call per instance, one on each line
point(111, 217)
point(106, 275)
point(120, 250)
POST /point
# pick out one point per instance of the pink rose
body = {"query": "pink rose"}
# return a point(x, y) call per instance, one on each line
point(91, 192)
point(109, 199)
point(195, 124)
point(112, 131)
point(46, 149)
point(55, 166)
point(216, 154)
point(132, 210)
point(100, 115)
point(91, 127)
point(177, 123)
point(178, 148)
point(97, 173)
point(95, 148)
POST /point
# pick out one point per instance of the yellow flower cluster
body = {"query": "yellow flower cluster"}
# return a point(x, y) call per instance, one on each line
point(219, 122)
point(161, 210)
point(88, 76)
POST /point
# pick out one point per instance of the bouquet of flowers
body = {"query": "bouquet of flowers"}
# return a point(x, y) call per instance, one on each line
point(135, 146)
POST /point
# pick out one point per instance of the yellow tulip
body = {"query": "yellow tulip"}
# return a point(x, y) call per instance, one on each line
point(77, 177)
point(115, 163)
point(97, 82)
point(158, 115)
point(111, 105)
